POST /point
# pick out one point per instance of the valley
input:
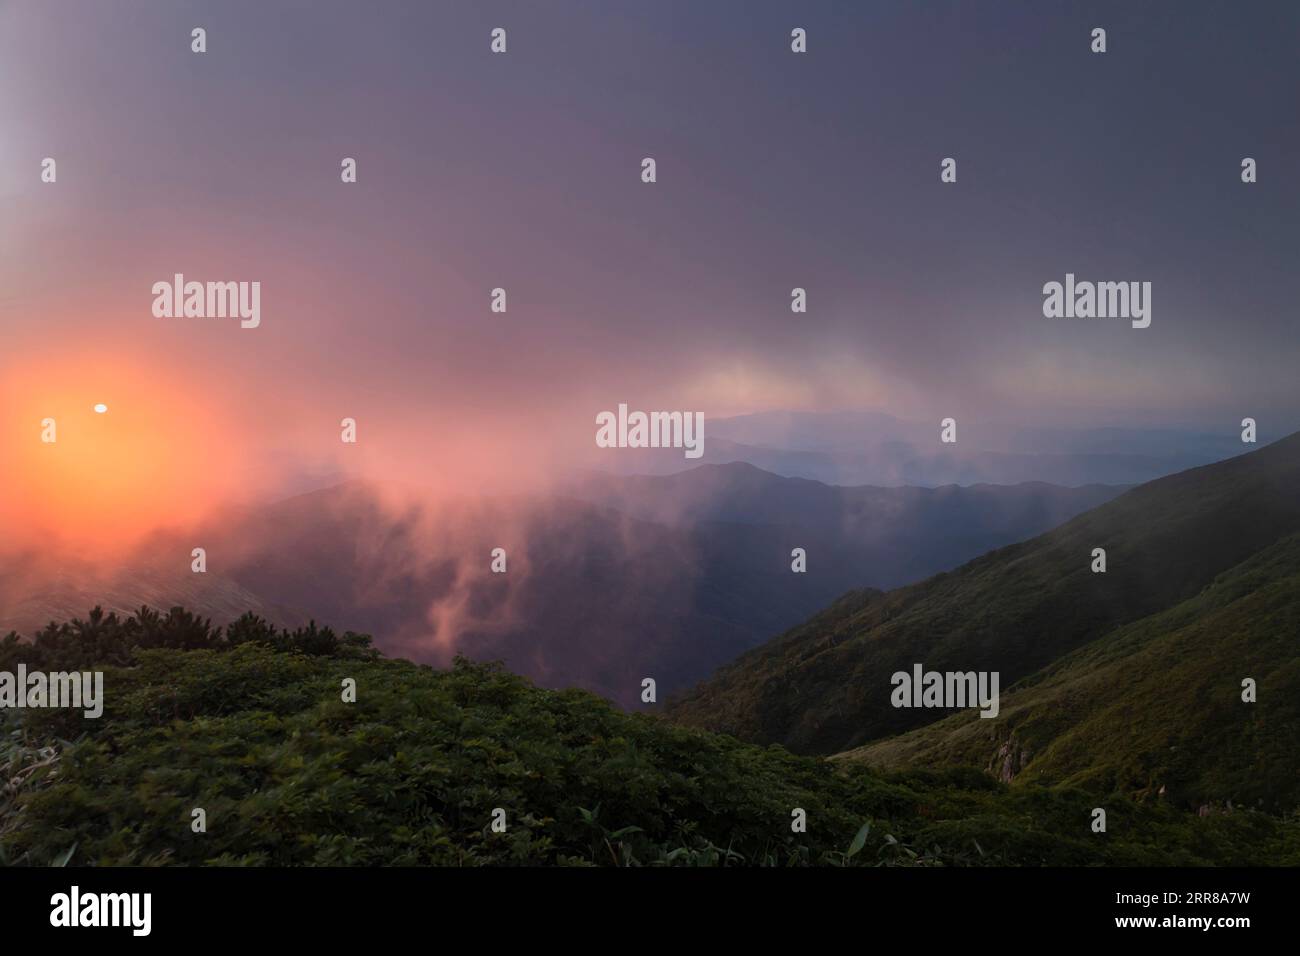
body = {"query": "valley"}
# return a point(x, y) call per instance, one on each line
point(611, 579)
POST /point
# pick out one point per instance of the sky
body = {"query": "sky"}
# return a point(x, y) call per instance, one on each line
point(522, 171)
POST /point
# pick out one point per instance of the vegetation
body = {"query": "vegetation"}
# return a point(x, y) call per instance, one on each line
point(250, 725)
point(824, 687)
point(1154, 707)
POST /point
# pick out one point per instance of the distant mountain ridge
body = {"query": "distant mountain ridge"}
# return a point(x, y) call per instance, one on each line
point(882, 536)
point(866, 448)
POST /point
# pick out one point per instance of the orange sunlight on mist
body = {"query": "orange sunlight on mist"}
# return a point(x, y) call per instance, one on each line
point(157, 456)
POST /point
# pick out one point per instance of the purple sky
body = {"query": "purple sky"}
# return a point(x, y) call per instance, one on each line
point(521, 170)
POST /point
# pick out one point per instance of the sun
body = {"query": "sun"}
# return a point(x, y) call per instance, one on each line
point(73, 472)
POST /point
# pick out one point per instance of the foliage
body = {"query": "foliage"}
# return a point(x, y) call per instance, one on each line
point(1155, 707)
point(108, 639)
point(255, 731)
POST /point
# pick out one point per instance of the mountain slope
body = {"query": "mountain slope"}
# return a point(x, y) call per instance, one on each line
point(38, 589)
point(249, 725)
point(1154, 706)
point(825, 686)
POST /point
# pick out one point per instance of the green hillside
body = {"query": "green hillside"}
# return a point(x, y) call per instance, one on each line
point(249, 724)
point(824, 686)
point(1155, 706)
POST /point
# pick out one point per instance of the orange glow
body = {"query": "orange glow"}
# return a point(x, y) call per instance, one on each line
point(155, 457)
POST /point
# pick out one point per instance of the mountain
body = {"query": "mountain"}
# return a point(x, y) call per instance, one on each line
point(608, 583)
point(901, 463)
point(825, 687)
point(859, 448)
point(866, 535)
point(1154, 706)
point(36, 589)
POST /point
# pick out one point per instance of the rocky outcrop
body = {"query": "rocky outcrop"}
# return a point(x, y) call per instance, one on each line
point(1008, 760)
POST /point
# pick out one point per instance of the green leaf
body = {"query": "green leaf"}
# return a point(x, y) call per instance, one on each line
point(860, 840)
point(65, 856)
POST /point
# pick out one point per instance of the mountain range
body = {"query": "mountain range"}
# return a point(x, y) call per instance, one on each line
point(1131, 677)
point(857, 448)
point(609, 581)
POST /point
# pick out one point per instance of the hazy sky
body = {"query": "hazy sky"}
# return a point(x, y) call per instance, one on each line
point(522, 171)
